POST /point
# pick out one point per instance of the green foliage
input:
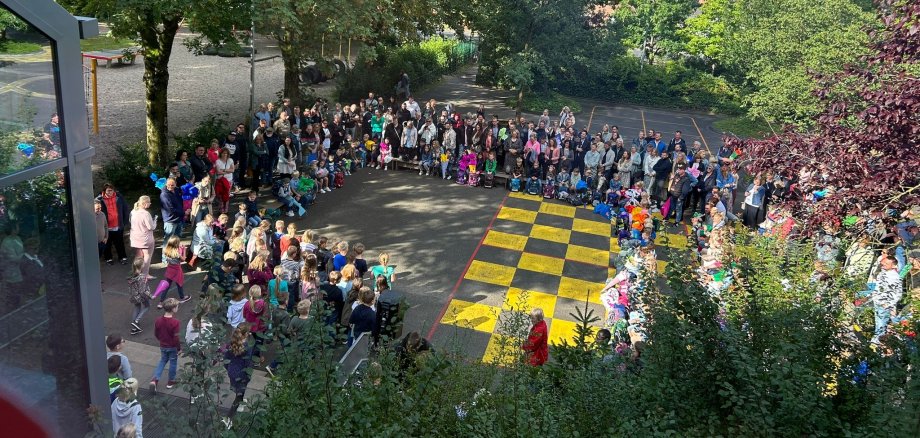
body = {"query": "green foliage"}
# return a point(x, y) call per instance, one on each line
point(378, 69)
point(536, 103)
point(653, 26)
point(777, 46)
point(213, 126)
point(10, 21)
point(667, 85)
point(105, 42)
point(743, 126)
point(10, 47)
point(129, 170)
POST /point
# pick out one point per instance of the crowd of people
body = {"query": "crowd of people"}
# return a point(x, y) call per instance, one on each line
point(262, 273)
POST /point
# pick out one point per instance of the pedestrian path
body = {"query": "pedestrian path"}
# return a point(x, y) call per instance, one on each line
point(535, 253)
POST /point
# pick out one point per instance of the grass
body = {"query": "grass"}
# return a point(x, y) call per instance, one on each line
point(105, 43)
point(9, 47)
point(743, 126)
point(536, 103)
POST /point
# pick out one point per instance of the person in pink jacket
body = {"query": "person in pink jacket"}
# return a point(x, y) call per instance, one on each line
point(142, 226)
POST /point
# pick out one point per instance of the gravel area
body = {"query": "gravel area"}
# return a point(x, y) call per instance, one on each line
point(198, 86)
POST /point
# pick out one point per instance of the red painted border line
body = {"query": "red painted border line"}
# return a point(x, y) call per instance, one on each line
point(469, 263)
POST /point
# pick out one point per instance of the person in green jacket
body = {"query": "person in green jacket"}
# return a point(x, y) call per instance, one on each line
point(377, 125)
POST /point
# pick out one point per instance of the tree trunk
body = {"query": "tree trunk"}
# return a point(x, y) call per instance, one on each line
point(291, 60)
point(157, 45)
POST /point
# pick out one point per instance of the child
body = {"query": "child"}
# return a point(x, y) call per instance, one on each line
point(574, 179)
point(139, 294)
point(115, 343)
point(360, 263)
point(339, 260)
point(535, 170)
point(167, 333)
point(254, 314)
point(126, 411)
point(388, 272)
point(321, 176)
point(174, 272)
point(466, 164)
point(114, 365)
point(426, 161)
point(533, 184)
point(323, 255)
point(386, 153)
point(252, 209)
point(237, 302)
point(298, 327)
point(309, 282)
point(276, 285)
point(446, 157)
point(290, 199)
point(489, 169)
point(517, 175)
point(562, 179)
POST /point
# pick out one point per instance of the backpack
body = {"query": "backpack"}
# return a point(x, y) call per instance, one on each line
point(533, 188)
point(549, 191)
point(339, 180)
point(515, 184)
point(474, 179)
point(488, 180)
point(276, 187)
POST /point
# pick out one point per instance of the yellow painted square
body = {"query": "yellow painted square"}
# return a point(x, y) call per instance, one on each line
point(490, 273)
point(505, 240)
point(552, 234)
point(502, 350)
point(584, 254)
point(661, 266)
point(614, 244)
point(557, 209)
point(514, 301)
point(517, 214)
point(561, 329)
point(611, 272)
point(479, 317)
point(522, 195)
point(591, 227)
point(579, 289)
point(541, 263)
point(678, 241)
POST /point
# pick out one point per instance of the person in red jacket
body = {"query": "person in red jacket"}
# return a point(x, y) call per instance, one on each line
point(536, 346)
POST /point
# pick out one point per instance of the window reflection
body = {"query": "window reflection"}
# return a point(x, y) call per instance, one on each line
point(30, 131)
point(42, 358)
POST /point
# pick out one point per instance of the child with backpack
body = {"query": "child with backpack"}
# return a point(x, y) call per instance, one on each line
point(237, 302)
point(517, 175)
point(139, 294)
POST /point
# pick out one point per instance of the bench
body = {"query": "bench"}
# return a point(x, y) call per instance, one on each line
point(122, 56)
point(398, 163)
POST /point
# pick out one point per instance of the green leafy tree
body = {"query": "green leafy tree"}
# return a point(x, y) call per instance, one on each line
point(705, 33)
point(154, 24)
point(9, 21)
point(780, 44)
point(653, 26)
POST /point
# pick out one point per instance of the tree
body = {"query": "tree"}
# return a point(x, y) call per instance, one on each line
point(861, 154)
point(9, 21)
point(154, 24)
point(778, 45)
point(705, 33)
point(652, 26)
point(533, 43)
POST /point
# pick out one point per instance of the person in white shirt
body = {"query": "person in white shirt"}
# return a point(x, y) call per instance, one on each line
point(413, 108)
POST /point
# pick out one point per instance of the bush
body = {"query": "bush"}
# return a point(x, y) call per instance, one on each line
point(668, 85)
point(743, 126)
point(214, 126)
point(378, 69)
point(536, 103)
point(130, 168)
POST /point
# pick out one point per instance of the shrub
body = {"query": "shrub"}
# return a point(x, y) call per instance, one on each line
point(213, 126)
point(130, 168)
point(377, 69)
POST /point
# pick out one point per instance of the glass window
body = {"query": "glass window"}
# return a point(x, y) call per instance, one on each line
point(42, 355)
point(30, 130)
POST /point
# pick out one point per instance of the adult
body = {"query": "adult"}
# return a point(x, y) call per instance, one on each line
point(224, 168)
point(242, 153)
point(204, 203)
point(200, 163)
point(536, 346)
point(624, 170)
point(203, 239)
point(677, 141)
point(680, 186)
point(142, 226)
point(409, 142)
point(661, 171)
point(660, 145)
point(53, 130)
point(513, 151)
point(608, 161)
point(117, 215)
point(172, 210)
point(753, 200)
point(287, 159)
